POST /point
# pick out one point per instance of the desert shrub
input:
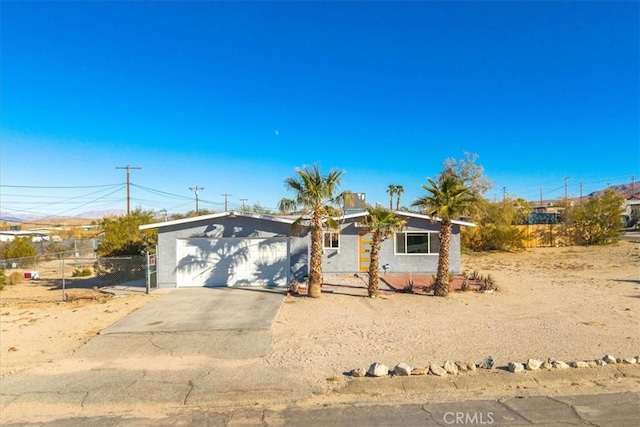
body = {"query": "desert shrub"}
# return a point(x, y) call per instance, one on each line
point(465, 285)
point(596, 221)
point(488, 284)
point(81, 272)
point(22, 250)
point(497, 226)
point(120, 270)
point(3, 279)
point(409, 287)
point(15, 278)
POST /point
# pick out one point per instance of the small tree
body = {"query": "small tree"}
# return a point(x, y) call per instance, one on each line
point(382, 222)
point(20, 247)
point(597, 221)
point(3, 279)
point(122, 236)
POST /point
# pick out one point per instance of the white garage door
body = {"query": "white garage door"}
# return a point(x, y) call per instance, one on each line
point(232, 262)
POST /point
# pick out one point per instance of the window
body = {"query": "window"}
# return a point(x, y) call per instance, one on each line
point(417, 243)
point(331, 240)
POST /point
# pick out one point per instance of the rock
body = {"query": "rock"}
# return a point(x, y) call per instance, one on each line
point(487, 363)
point(551, 360)
point(437, 370)
point(592, 363)
point(546, 365)
point(359, 372)
point(471, 366)
point(601, 362)
point(533, 364)
point(609, 358)
point(463, 366)
point(419, 371)
point(618, 360)
point(631, 360)
point(402, 370)
point(515, 367)
point(450, 367)
point(378, 370)
point(560, 365)
point(579, 364)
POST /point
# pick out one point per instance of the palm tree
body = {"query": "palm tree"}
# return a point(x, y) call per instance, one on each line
point(399, 191)
point(315, 195)
point(382, 222)
point(448, 199)
point(391, 189)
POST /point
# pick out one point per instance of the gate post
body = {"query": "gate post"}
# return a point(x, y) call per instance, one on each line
point(148, 278)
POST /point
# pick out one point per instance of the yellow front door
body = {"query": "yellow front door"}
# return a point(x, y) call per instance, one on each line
point(365, 251)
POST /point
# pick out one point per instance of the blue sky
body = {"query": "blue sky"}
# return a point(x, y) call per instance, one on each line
point(233, 96)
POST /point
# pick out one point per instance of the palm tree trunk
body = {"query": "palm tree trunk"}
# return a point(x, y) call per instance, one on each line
point(441, 287)
point(374, 264)
point(315, 267)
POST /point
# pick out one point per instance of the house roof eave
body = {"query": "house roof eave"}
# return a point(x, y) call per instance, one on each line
point(231, 214)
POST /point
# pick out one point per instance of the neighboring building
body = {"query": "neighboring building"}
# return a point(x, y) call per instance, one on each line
point(35, 236)
point(631, 210)
point(248, 249)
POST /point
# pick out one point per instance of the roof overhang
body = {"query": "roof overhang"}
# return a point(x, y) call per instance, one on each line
point(407, 214)
point(229, 214)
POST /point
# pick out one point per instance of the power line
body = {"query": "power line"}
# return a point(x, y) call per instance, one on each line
point(61, 188)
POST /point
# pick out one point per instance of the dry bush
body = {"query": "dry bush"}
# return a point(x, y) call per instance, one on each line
point(15, 278)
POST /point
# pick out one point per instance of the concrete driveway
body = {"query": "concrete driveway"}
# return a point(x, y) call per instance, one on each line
point(224, 323)
point(204, 309)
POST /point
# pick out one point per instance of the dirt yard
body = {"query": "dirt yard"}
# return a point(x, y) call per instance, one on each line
point(568, 303)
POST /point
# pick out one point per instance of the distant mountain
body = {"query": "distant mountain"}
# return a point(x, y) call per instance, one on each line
point(101, 214)
point(5, 216)
point(625, 189)
point(25, 218)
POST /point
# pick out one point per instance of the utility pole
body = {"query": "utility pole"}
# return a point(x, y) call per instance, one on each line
point(540, 197)
point(195, 190)
point(243, 200)
point(226, 196)
point(633, 185)
point(128, 169)
point(566, 183)
point(504, 193)
point(580, 193)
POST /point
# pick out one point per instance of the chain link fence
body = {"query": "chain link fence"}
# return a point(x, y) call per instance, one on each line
point(82, 269)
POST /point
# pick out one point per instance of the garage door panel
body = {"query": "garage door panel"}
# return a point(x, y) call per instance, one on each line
point(232, 262)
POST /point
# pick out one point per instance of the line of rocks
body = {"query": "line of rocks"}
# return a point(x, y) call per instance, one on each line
point(454, 368)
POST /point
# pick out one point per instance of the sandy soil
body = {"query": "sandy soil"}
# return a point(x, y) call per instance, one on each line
point(567, 303)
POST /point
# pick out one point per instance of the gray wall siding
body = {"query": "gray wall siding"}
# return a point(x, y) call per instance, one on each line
point(346, 259)
point(224, 228)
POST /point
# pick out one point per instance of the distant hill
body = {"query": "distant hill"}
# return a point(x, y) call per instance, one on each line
point(625, 189)
point(42, 219)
